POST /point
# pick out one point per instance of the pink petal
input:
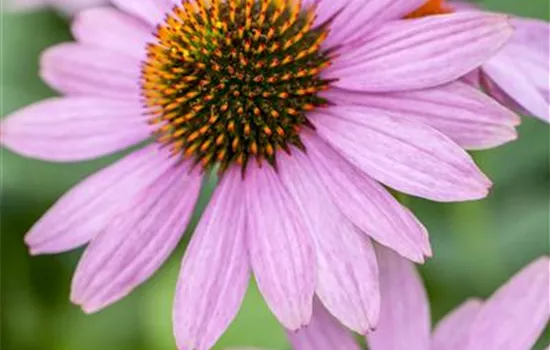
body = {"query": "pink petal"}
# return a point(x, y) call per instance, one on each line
point(409, 157)
point(112, 30)
point(415, 54)
point(90, 206)
point(515, 316)
point(404, 315)
point(466, 115)
point(215, 271)
point(76, 69)
point(452, 332)
point(137, 241)
point(323, 333)
point(347, 277)
point(367, 204)
point(150, 11)
point(280, 248)
point(74, 128)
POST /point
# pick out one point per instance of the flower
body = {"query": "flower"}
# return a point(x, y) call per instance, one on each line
point(303, 108)
point(518, 75)
point(66, 6)
point(513, 318)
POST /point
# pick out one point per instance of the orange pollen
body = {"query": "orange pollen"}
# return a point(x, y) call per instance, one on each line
point(430, 8)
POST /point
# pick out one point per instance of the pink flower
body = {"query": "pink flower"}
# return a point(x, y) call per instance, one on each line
point(67, 6)
point(513, 318)
point(304, 111)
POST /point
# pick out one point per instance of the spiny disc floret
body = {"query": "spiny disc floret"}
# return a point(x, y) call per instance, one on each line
point(231, 80)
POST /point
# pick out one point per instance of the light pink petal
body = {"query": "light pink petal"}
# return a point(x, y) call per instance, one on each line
point(410, 157)
point(215, 270)
point(404, 315)
point(466, 115)
point(367, 204)
point(74, 128)
point(76, 69)
point(452, 332)
point(112, 30)
point(150, 11)
point(137, 241)
point(323, 333)
point(87, 209)
point(515, 316)
point(347, 276)
point(415, 54)
point(280, 248)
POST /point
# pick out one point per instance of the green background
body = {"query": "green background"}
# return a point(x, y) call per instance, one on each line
point(477, 245)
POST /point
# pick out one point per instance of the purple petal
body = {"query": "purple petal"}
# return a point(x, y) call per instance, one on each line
point(112, 30)
point(76, 69)
point(74, 128)
point(150, 11)
point(404, 315)
point(90, 206)
point(367, 204)
point(323, 333)
point(409, 157)
point(515, 316)
point(422, 53)
point(347, 277)
point(280, 248)
point(137, 241)
point(215, 273)
point(466, 115)
point(452, 332)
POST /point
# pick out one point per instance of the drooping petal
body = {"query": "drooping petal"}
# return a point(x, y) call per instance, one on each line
point(367, 204)
point(420, 53)
point(404, 315)
point(150, 11)
point(452, 332)
point(347, 276)
point(469, 117)
point(74, 128)
point(215, 270)
point(76, 69)
point(410, 157)
point(323, 333)
point(112, 30)
point(280, 248)
point(515, 316)
point(137, 241)
point(87, 209)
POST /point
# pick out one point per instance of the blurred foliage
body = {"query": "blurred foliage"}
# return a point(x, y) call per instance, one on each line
point(477, 245)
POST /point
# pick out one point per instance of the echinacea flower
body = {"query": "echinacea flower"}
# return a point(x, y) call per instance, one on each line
point(303, 108)
point(513, 318)
point(518, 76)
point(66, 6)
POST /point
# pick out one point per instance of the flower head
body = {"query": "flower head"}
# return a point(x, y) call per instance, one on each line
point(303, 108)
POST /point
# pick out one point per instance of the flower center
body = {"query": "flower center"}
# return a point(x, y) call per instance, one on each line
point(232, 80)
point(431, 7)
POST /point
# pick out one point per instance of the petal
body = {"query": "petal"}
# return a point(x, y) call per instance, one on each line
point(90, 206)
point(76, 69)
point(112, 30)
point(280, 248)
point(150, 11)
point(516, 314)
point(469, 117)
point(421, 53)
point(404, 315)
point(74, 128)
point(367, 204)
point(215, 271)
point(323, 333)
point(409, 157)
point(347, 273)
point(452, 332)
point(137, 241)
